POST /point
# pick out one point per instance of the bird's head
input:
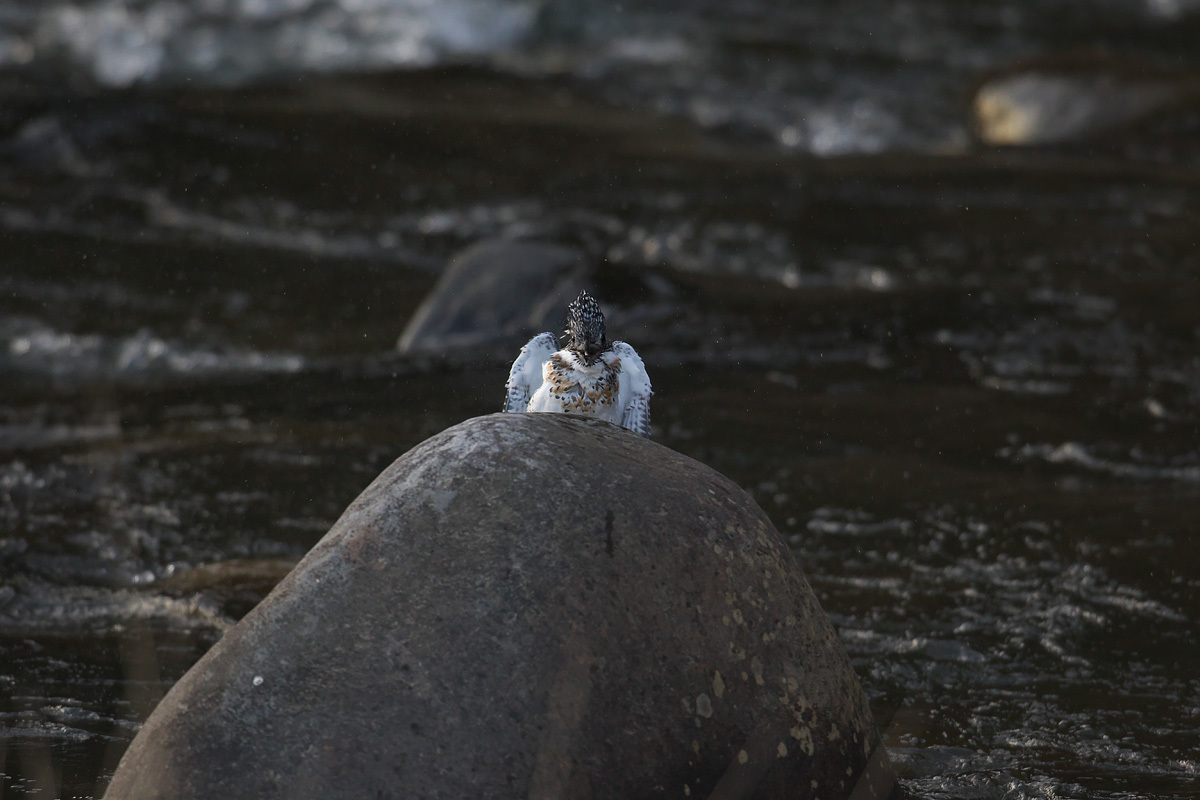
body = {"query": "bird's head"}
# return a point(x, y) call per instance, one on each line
point(585, 329)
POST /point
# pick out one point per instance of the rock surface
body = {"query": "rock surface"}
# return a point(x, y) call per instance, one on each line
point(1054, 103)
point(496, 290)
point(526, 606)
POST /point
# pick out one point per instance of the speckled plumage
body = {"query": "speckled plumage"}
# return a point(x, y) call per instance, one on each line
point(588, 376)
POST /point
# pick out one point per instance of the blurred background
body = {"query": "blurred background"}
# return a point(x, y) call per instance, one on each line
point(922, 276)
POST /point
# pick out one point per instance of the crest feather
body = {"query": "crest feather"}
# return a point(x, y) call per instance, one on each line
point(584, 309)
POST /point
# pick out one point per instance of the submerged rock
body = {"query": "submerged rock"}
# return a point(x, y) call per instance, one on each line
point(1051, 104)
point(493, 291)
point(526, 606)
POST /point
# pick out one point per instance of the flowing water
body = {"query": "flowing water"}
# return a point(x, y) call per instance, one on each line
point(963, 381)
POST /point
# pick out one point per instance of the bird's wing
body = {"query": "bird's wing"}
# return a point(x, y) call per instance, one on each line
point(635, 390)
point(526, 374)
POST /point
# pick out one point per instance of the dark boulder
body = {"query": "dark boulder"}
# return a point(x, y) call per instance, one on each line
point(526, 606)
point(495, 291)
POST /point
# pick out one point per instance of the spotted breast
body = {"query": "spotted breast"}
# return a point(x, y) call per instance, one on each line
point(591, 375)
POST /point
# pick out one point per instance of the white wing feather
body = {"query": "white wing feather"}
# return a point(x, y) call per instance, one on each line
point(526, 374)
point(635, 390)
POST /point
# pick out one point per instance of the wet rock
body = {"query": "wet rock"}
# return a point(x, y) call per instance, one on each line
point(1051, 104)
point(526, 605)
point(45, 144)
point(494, 291)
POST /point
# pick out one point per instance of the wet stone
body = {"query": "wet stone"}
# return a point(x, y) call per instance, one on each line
point(1054, 105)
point(494, 291)
point(525, 605)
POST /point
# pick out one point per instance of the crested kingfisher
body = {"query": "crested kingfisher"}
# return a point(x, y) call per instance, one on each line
point(590, 375)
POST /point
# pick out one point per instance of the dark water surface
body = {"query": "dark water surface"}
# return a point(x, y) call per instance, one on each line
point(962, 381)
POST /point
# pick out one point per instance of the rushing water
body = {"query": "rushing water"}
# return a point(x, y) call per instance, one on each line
point(962, 381)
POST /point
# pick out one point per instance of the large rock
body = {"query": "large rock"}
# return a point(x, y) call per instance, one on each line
point(526, 606)
point(494, 291)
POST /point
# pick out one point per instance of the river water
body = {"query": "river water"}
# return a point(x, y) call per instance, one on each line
point(961, 379)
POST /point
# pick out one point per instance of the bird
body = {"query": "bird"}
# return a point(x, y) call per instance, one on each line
point(590, 375)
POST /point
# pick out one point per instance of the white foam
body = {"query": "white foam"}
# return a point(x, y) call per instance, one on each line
point(122, 42)
point(29, 346)
point(1080, 455)
point(41, 608)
